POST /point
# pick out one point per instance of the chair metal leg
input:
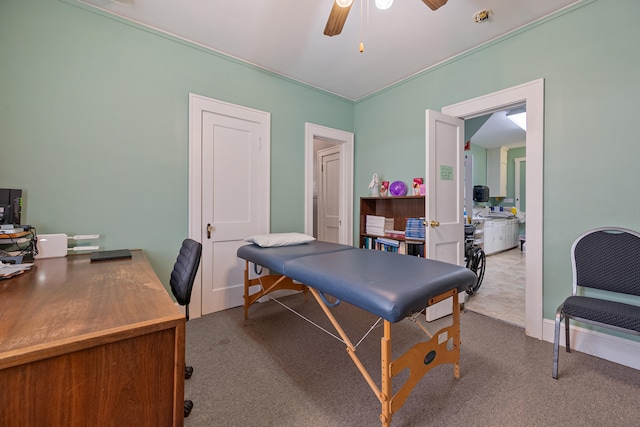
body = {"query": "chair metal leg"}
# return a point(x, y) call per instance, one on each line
point(566, 332)
point(556, 342)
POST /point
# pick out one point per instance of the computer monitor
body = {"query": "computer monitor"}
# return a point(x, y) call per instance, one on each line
point(10, 206)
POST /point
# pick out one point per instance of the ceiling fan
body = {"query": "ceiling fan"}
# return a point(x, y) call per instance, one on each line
point(341, 8)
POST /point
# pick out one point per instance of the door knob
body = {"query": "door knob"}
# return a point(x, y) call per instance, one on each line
point(435, 223)
point(209, 230)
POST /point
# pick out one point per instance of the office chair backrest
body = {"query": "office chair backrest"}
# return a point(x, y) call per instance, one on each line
point(184, 272)
point(608, 259)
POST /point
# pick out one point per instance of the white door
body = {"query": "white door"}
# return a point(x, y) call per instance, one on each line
point(234, 147)
point(329, 195)
point(445, 177)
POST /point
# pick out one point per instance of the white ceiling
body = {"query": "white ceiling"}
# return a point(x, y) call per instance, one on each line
point(499, 131)
point(286, 36)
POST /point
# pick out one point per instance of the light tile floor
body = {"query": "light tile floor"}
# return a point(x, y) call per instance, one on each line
point(502, 293)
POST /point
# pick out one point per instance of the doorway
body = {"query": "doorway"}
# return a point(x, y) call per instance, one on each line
point(532, 95)
point(344, 141)
point(496, 143)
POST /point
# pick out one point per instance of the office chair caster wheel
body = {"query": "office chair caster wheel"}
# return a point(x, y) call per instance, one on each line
point(188, 371)
point(188, 406)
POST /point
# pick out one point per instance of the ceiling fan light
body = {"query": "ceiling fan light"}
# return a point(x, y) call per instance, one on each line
point(344, 3)
point(384, 4)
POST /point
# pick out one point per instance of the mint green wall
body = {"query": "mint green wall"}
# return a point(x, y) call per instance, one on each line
point(94, 125)
point(588, 58)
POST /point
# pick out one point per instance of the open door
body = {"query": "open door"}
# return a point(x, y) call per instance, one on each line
point(445, 178)
point(444, 220)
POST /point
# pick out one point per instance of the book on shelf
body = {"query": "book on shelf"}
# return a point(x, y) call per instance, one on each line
point(399, 232)
point(377, 224)
point(394, 234)
point(415, 228)
point(392, 245)
point(387, 245)
point(389, 242)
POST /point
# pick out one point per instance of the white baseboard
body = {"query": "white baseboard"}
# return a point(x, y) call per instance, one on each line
point(608, 347)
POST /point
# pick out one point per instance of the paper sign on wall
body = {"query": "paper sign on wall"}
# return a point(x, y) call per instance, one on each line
point(446, 173)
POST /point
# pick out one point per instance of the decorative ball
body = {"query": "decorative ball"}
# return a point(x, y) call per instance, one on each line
point(398, 188)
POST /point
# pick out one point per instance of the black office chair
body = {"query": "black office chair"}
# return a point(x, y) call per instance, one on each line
point(182, 277)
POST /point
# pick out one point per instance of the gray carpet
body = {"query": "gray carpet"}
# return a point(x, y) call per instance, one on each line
point(275, 369)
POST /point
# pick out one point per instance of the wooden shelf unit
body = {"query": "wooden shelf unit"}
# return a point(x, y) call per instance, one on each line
point(398, 208)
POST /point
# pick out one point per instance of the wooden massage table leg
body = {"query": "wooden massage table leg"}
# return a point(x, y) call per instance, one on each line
point(443, 347)
point(267, 284)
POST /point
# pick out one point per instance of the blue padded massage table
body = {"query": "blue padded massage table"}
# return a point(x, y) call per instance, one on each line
point(274, 259)
point(388, 285)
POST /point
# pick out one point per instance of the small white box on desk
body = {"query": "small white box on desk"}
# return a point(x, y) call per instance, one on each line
point(51, 246)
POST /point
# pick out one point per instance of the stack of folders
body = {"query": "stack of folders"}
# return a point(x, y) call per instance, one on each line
point(415, 228)
point(9, 270)
point(377, 224)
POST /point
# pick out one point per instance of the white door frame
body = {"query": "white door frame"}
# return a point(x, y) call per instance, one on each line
point(345, 141)
point(531, 93)
point(517, 165)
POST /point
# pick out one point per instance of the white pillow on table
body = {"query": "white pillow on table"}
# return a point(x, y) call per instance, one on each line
point(279, 239)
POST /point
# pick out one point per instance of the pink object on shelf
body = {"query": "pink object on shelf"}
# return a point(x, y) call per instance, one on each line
point(384, 188)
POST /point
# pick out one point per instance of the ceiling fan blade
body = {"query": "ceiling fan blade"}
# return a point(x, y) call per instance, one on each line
point(435, 4)
point(336, 20)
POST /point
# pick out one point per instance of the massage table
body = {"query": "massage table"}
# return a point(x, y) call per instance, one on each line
point(389, 285)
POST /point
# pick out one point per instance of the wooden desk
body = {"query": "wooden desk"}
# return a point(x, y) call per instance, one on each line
point(90, 344)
